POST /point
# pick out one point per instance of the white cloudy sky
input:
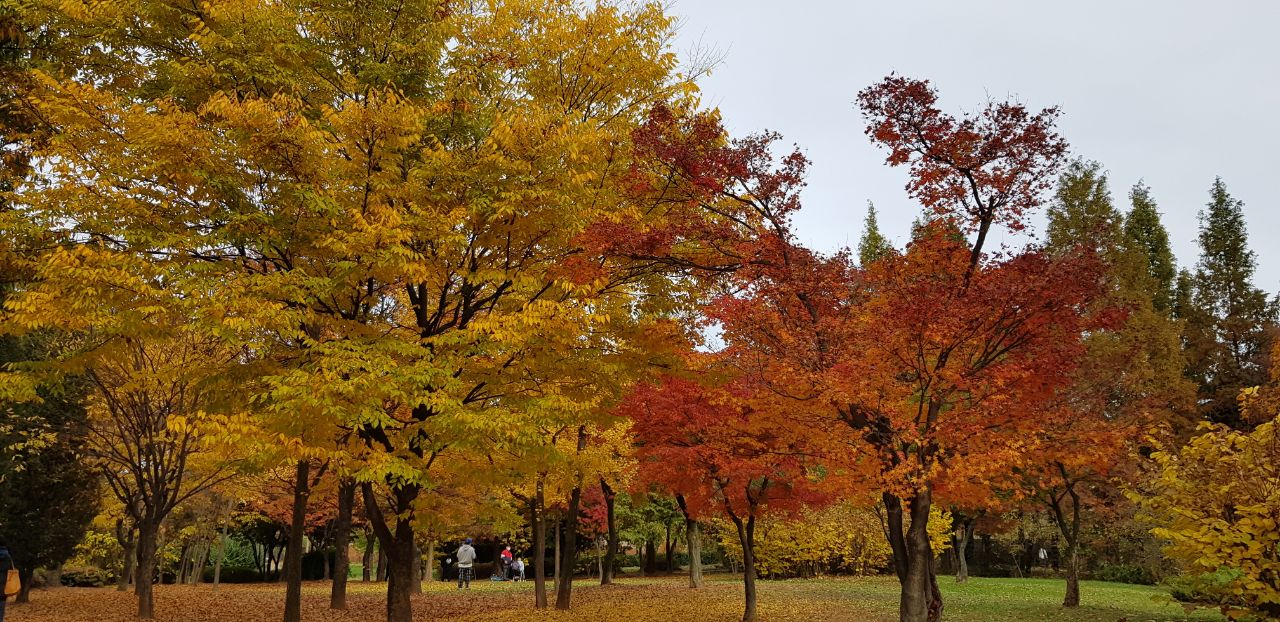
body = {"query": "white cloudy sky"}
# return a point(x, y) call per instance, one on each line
point(1170, 91)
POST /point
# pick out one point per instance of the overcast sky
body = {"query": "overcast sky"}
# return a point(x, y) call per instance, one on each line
point(1170, 91)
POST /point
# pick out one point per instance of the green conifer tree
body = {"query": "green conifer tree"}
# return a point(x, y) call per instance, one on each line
point(873, 244)
point(1227, 329)
point(1143, 227)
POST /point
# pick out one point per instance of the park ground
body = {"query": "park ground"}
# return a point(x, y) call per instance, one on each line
point(650, 600)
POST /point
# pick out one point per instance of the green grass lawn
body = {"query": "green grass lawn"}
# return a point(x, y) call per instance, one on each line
point(984, 600)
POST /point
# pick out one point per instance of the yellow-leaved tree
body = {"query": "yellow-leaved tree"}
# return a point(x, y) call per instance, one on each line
point(1216, 501)
point(384, 208)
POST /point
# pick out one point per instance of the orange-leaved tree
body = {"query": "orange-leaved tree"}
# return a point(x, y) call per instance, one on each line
point(723, 453)
point(934, 360)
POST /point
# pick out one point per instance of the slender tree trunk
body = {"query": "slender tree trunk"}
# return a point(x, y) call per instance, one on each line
point(429, 573)
point(367, 561)
point(746, 537)
point(293, 553)
point(342, 544)
point(539, 520)
point(650, 558)
point(147, 545)
point(692, 533)
point(963, 536)
point(128, 538)
point(569, 550)
point(222, 553)
point(559, 546)
point(668, 553)
point(1069, 526)
point(611, 549)
point(415, 577)
point(382, 562)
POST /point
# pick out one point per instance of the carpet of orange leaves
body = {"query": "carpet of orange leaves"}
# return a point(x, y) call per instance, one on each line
point(661, 599)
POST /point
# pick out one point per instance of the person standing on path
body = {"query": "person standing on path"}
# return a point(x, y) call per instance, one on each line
point(6, 564)
point(466, 557)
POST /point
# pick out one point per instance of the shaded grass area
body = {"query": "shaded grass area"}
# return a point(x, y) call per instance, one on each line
point(631, 600)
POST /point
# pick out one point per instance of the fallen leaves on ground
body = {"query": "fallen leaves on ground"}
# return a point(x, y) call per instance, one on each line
point(631, 600)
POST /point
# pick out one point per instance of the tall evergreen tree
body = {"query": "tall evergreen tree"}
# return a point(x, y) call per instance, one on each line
point(873, 244)
point(1184, 289)
point(1143, 227)
point(1227, 330)
point(1082, 211)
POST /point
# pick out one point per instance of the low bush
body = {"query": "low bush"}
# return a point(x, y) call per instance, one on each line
point(86, 576)
point(234, 575)
point(1125, 573)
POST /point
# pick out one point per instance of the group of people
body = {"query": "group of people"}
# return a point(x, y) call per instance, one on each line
point(512, 567)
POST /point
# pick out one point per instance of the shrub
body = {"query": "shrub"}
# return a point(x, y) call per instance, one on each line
point(233, 575)
point(86, 576)
point(1125, 573)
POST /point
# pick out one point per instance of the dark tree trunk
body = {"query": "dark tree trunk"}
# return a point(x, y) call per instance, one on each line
point(920, 600)
point(148, 532)
point(746, 536)
point(667, 553)
point(650, 558)
point(367, 561)
point(1069, 526)
point(128, 539)
point(429, 573)
point(382, 562)
point(539, 520)
point(569, 548)
point(24, 585)
point(568, 551)
point(293, 552)
point(398, 545)
point(611, 551)
point(341, 544)
point(692, 533)
point(415, 578)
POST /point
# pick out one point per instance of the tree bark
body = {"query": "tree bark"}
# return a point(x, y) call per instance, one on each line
point(128, 538)
point(399, 546)
point(1069, 526)
point(415, 575)
point(692, 533)
point(746, 536)
point(429, 573)
point(293, 552)
point(341, 545)
point(366, 572)
point(963, 536)
point(559, 546)
point(569, 548)
point(382, 562)
point(920, 601)
point(611, 550)
point(222, 553)
point(668, 552)
point(539, 520)
point(25, 575)
point(147, 545)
